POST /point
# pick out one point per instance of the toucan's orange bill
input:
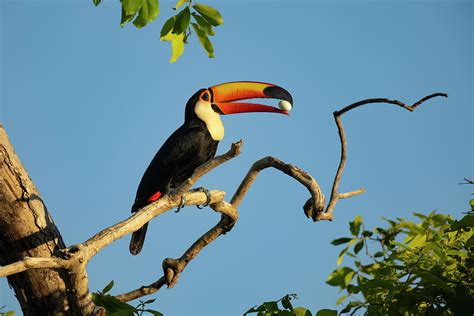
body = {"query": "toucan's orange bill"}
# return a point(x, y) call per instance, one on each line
point(224, 96)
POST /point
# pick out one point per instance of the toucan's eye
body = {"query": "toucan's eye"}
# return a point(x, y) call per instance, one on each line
point(205, 96)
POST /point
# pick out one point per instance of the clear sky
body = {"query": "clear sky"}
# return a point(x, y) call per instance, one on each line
point(87, 104)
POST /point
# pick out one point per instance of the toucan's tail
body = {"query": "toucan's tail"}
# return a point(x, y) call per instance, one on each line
point(138, 239)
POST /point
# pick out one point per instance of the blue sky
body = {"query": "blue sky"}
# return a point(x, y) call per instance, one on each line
point(87, 104)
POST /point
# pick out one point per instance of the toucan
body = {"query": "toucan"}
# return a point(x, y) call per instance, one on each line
point(195, 142)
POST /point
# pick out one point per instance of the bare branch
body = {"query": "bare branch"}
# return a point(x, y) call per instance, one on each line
point(342, 137)
point(467, 181)
point(142, 291)
point(32, 263)
point(318, 199)
point(352, 193)
point(172, 268)
point(167, 202)
point(410, 108)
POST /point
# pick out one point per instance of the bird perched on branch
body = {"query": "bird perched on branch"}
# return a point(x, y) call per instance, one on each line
point(195, 142)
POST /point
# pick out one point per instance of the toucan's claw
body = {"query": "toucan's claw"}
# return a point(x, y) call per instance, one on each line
point(182, 204)
point(208, 196)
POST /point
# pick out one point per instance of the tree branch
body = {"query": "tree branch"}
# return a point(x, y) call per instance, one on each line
point(75, 258)
point(410, 108)
point(32, 263)
point(318, 199)
point(467, 181)
point(335, 196)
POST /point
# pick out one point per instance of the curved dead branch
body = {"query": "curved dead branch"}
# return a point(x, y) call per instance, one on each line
point(75, 258)
point(317, 197)
point(335, 196)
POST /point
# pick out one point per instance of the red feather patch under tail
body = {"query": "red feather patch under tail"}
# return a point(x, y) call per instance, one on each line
point(155, 197)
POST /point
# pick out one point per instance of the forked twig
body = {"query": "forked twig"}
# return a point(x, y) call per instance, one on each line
point(335, 196)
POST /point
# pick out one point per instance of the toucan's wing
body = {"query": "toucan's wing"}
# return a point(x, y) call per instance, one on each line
point(185, 150)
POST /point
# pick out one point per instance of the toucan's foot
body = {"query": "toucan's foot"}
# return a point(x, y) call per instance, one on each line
point(208, 196)
point(182, 204)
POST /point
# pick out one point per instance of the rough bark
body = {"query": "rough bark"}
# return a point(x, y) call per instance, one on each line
point(27, 230)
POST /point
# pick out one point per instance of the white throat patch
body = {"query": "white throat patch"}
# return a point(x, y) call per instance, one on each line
point(212, 120)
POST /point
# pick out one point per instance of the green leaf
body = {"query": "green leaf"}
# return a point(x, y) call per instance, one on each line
point(270, 306)
point(419, 215)
point(341, 256)
point(367, 233)
point(351, 305)
point(341, 299)
point(209, 13)
point(284, 313)
point(108, 287)
point(153, 312)
point(148, 12)
point(470, 242)
point(346, 309)
point(466, 221)
point(205, 26)
point(326, 312)
point(355, 225)
point(417, 242)
point(348, 278)
point(204, 40)
point(182, 21)
point(251, 310)
point(132, 6)
point(439, 219)
point(167, 28)
point(396, 243)
point(384, 284)
point(149, 301)
point(337, 277)
point(286, 302)
point(112, 305)
point(179, 3)
point(177, 48)
point(126, 17)
point(301, 311)
point(96, 2)
point(471, 203)
point(340, 241)
point(435, 280)
point(358, 246)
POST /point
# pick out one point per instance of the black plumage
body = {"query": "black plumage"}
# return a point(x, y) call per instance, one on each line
point(187, 148)
point(195, 142)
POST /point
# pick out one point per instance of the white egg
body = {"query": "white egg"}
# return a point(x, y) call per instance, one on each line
point(285, 105)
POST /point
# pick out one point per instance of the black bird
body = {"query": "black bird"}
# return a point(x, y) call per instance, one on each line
point(195, 142)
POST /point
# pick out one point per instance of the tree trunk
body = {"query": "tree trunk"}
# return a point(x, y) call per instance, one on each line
point(26, 229)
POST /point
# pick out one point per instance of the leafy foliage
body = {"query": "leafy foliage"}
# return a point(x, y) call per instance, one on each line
point(423, 268)
point(284, 307)
point(177, 29)
point(114, 307)
point(9, 313)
